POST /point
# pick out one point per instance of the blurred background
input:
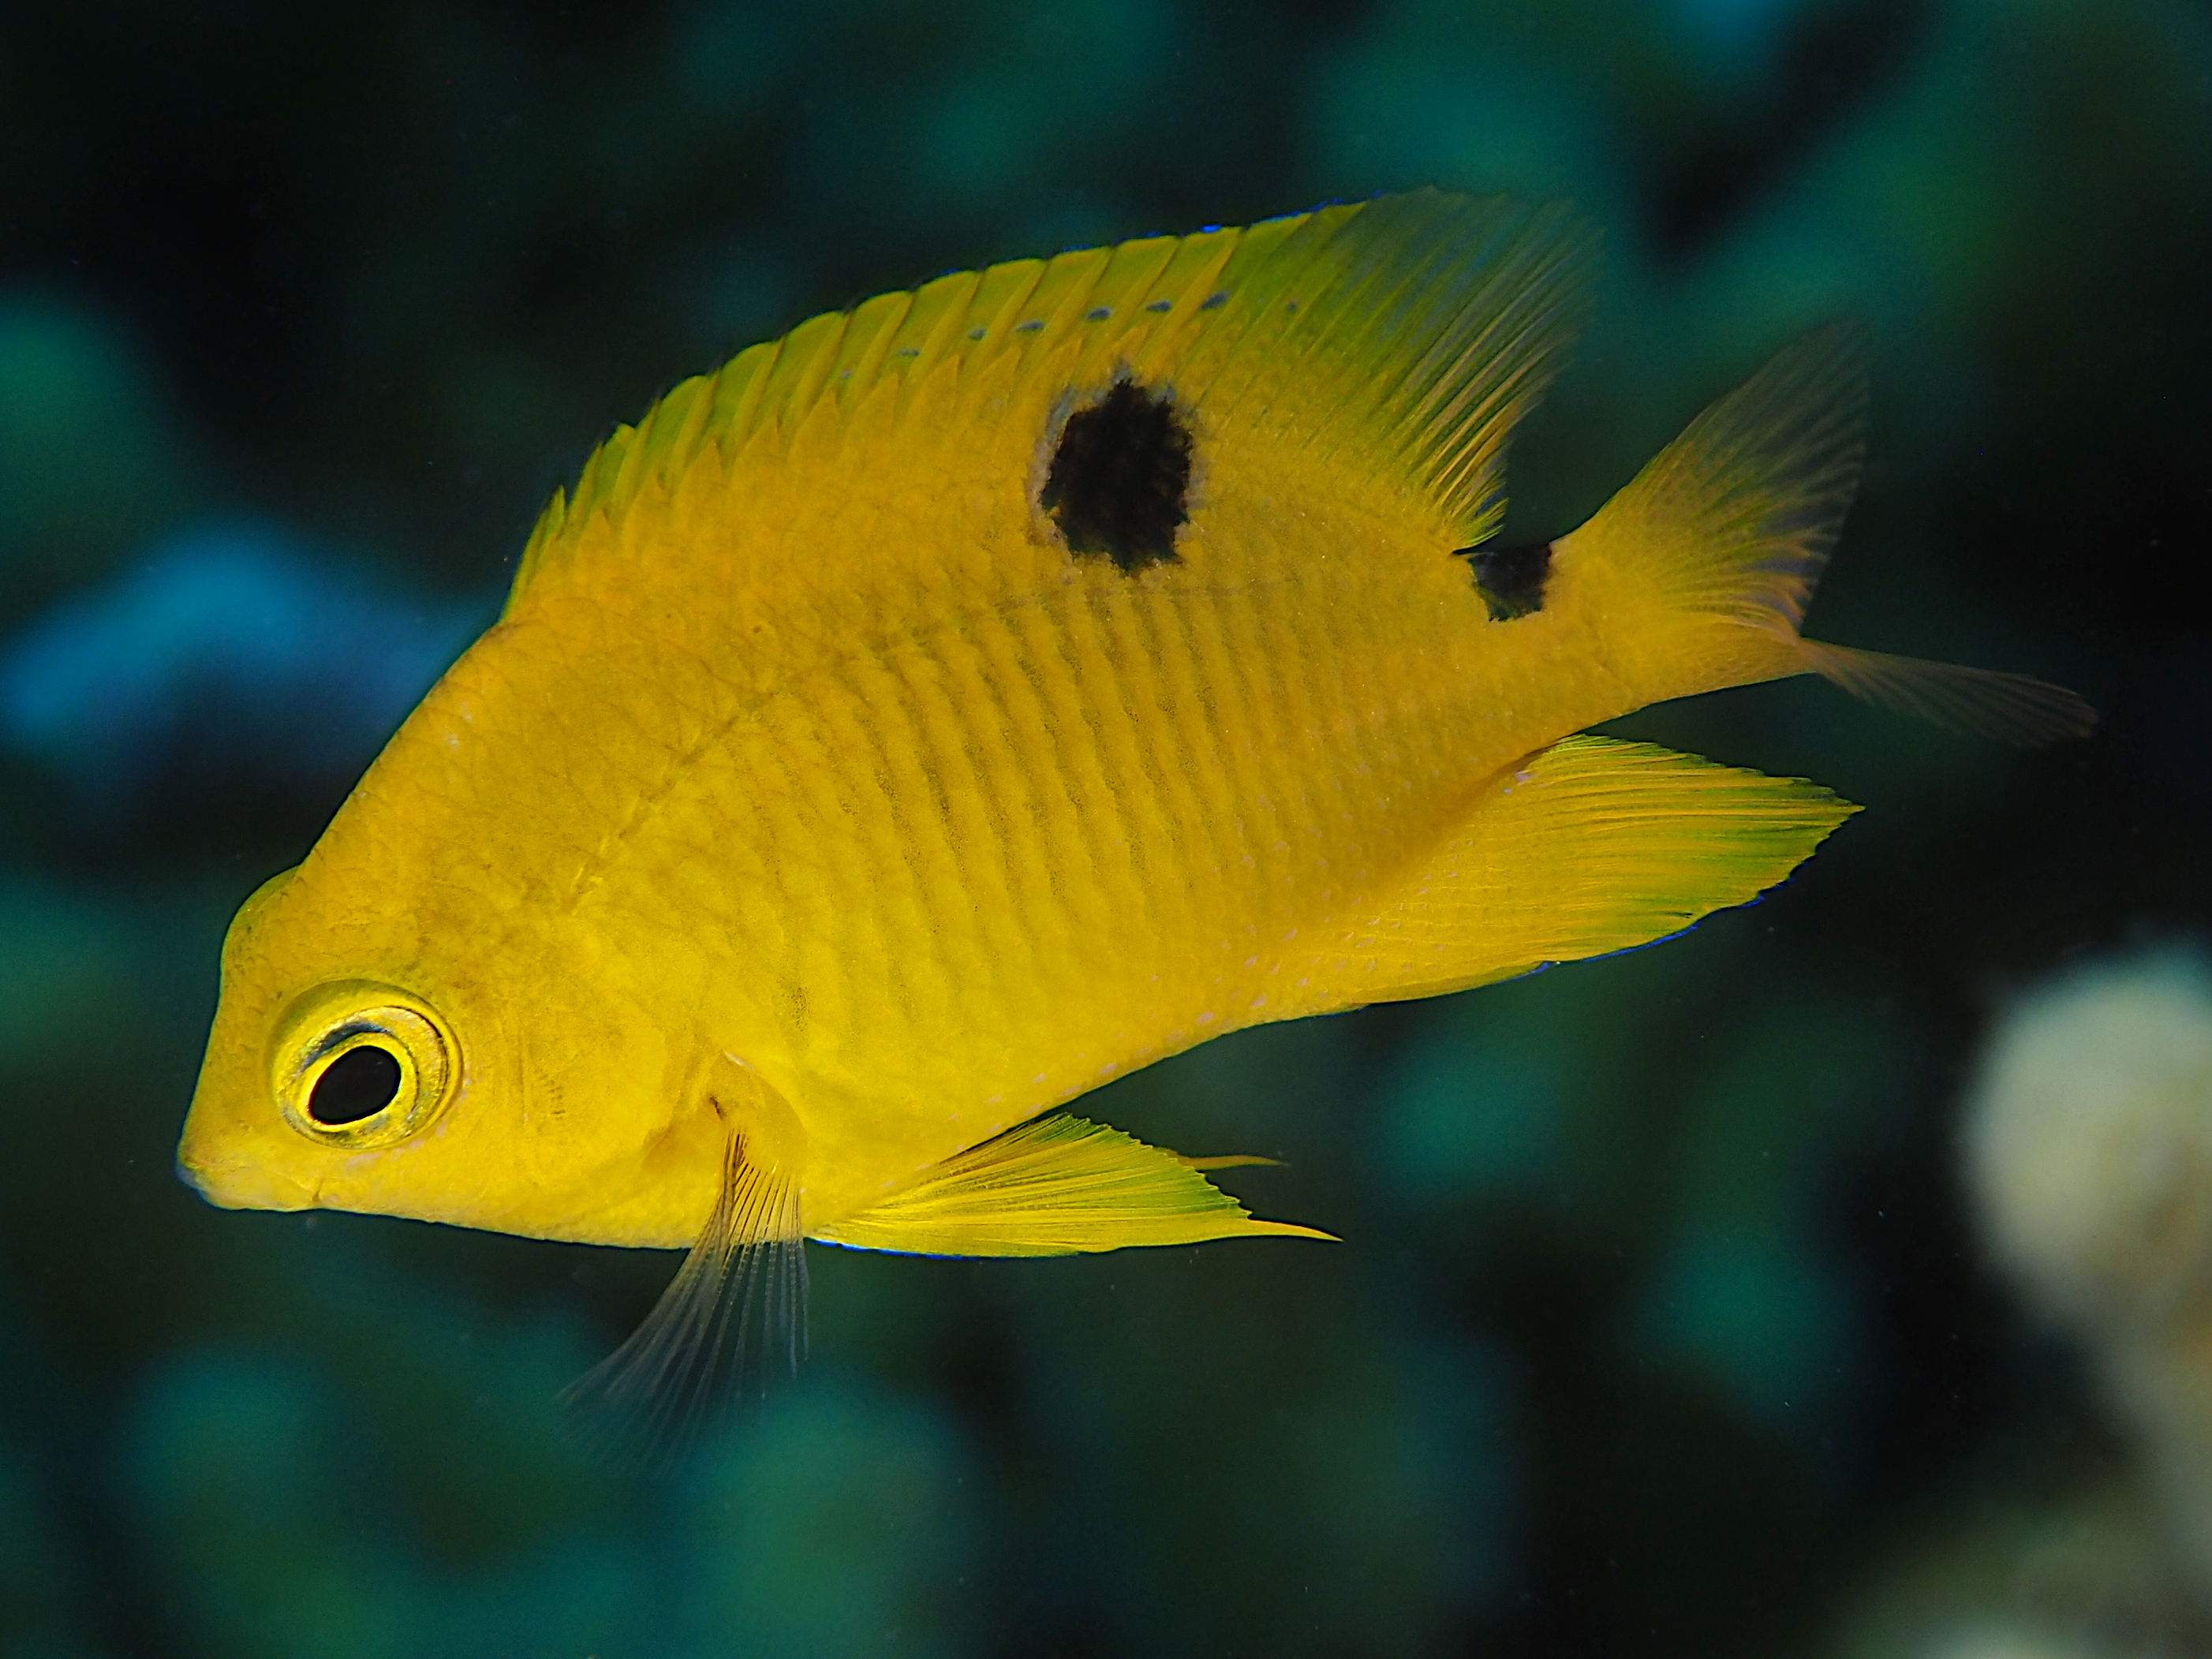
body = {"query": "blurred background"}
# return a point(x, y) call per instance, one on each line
point(1677, 1315)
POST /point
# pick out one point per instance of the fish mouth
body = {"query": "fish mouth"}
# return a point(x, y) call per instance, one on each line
point(245, 1185)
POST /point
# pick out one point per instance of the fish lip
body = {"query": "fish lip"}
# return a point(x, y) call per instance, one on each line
point(233, 1186)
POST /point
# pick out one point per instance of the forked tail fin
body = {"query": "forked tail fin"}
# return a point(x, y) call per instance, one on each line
point(1737, 516)
point(1980, 702)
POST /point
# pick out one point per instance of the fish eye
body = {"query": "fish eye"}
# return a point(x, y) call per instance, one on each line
point(358, 1084)
point(357, 1067)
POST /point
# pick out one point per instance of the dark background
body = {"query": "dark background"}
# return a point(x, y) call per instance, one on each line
point(1660, 1328)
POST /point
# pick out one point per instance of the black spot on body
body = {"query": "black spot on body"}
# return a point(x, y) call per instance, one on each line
point(1160, 305)
point(1510, 579)
point(1119, 484)
point(1215, 300)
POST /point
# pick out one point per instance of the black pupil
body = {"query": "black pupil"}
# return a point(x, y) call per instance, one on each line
point(360, 1083)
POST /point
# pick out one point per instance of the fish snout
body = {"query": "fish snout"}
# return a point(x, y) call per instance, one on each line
point(236, 1184)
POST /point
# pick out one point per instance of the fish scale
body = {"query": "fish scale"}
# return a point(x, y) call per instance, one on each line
point(979, 694)
point(1104, 869)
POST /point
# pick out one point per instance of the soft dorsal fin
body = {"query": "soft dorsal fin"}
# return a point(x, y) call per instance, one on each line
point(1417, 329)
point(1058, 1186)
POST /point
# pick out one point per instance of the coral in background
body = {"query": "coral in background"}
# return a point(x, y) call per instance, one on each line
point(234, 658)
point(2081, 1576)
point(2089, 1151)
point(2089, 1145)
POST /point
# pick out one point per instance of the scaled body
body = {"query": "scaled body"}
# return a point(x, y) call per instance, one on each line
point(966, 700)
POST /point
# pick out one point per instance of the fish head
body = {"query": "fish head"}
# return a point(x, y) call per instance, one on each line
point(418, 1057)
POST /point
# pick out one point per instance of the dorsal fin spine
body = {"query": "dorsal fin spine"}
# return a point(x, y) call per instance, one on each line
point(737, 390)
point(1132, 275)
point(1001, 293)
point(1225, 397)
point(1062, 296)
point(934, 322)
point(544, 534)
point(671, 432)
point(868, 338)
point(1193, 266)
point(624, 485)
point(812, 368)
point(598, 466)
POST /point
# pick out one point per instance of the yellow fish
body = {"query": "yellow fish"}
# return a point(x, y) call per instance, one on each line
point(971, 697)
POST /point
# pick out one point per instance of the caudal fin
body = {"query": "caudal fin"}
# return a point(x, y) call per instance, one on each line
point(1980, 702)
point(1736, 517)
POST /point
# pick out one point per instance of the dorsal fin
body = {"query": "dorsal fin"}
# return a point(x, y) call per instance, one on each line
point(1416, 328)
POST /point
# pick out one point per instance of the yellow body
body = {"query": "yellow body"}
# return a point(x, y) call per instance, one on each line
point(814, 790)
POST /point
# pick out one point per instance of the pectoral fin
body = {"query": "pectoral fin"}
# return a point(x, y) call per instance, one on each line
point(1588, 847)
point(1057, 1186)
point(729, 1324)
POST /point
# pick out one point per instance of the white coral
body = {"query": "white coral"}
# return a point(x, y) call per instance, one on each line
point(2089, 1143)
point(2089, 1150)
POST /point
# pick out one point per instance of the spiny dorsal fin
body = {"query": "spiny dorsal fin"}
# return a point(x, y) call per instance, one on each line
point(1417, 329)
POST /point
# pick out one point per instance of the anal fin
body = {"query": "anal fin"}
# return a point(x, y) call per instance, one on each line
point(1057, 1186)
point(1588, 847)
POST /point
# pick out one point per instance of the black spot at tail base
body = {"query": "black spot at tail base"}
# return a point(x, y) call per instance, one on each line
point(1510, 579)
point(1119, 485)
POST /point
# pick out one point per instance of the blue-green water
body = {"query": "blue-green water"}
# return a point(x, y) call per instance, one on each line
point(1661, 1326)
